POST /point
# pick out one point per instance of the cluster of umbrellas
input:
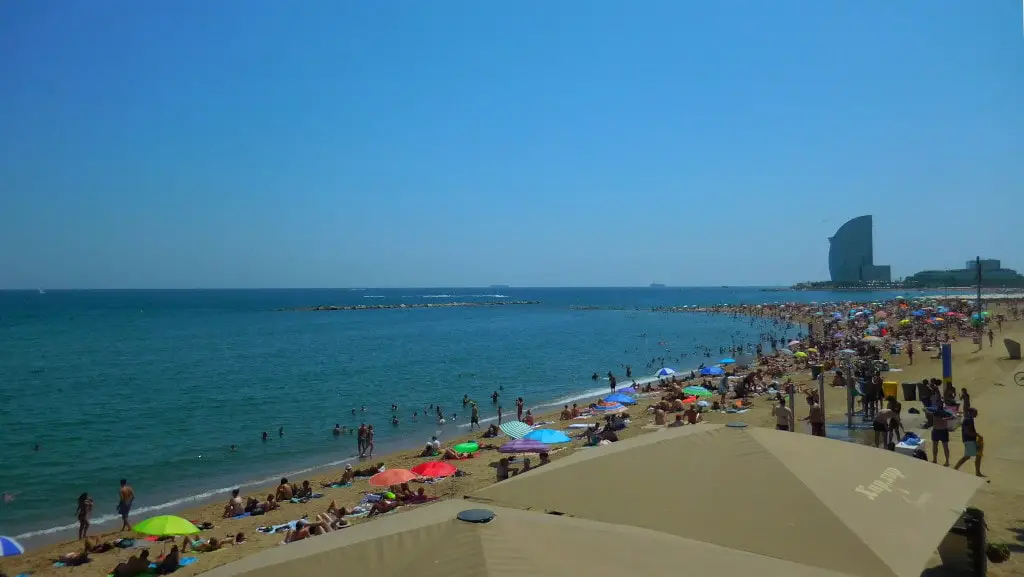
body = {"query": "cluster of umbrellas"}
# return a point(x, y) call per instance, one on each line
point(505, 529)
point(526, 439)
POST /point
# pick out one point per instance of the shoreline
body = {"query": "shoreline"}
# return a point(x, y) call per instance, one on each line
point(173, 503)
point(390, 306)
point(38, 560)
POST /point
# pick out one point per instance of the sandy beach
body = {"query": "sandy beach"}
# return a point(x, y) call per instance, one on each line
point(987, 374)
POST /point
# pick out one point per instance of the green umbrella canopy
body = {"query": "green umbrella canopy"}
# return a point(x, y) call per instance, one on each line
point(166, 525)
point(697, 392)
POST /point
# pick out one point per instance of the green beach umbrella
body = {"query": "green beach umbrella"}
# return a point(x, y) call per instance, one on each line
point(166, 525)
point(697, 392)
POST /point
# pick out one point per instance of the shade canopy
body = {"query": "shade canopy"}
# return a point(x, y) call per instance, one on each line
point(833, 506)
point(9, 547)
point(434, 469)
point(431, 541)
point(712, 371)
point(620, 398)
point(392, 477)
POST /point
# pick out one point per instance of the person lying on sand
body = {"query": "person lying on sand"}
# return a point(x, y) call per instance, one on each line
point(190, 544)
point(382, 506)
point(491, 432)
point(305, 529)
point(133, 566)
point(450, 453)
point(76, 558)
point(369, 471)
point(170, 562)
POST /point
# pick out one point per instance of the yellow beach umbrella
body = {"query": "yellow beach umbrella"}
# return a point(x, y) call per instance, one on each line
point(800, 354)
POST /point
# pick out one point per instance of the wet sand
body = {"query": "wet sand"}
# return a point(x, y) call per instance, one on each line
point(986, 374)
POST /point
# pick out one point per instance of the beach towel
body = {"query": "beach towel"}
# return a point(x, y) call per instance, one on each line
point(340, 485)
point(278, 528)
point(182, 562)
point(243, 515)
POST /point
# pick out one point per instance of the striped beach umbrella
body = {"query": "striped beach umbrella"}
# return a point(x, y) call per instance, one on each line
point(665, 372)
point(9, 547)
point(515, 429)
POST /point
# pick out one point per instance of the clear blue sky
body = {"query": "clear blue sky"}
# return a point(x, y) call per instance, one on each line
point(252, 143)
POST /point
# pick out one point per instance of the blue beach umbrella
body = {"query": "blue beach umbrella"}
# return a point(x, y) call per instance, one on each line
point(712, 371)
point(918, 313)
point(608, 409)
point(547, 436)
point(727, 361)
point(9, 547)
point(626, 391)
point(515, 429)
point(665, 372)
point(616, 398)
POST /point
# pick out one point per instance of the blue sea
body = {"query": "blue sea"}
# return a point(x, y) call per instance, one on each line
point(155, 386)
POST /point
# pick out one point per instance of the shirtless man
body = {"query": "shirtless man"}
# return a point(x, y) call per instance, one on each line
point(783, 416)
point(816, 417)
point(692, 416)
point(126, 497)
point(566, 414)
point(887, 421)
point(940, 434)
point(284, 491)
point(235, 505)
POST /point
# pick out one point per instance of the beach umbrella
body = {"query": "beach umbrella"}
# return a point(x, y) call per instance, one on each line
point(800, 355)
point(697, 392)
point(794, 342)
point(434, 469)
point(515, 429)
point(617, 398)
point(786, 352)
point(833, 532)
point(524, 446)
point(665, 372)
point(392, 477)
point(9, 547)
point(727, 361)
point(626, 391)
point(712, 371)
point(547, 436)
point(610, 408)
point(918, 313)
point(165, 526)
point(848, 352)
point(905, 322)
point(871, 339)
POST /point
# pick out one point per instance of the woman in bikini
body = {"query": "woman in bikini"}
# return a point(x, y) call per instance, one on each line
point(83, 512)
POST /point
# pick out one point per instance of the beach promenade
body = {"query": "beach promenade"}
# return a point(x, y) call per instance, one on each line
point(986, 374)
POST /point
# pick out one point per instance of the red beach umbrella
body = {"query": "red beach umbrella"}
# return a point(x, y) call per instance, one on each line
point(392, 477)
point(434, 469)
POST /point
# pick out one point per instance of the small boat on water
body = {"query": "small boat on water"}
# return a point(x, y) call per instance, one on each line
point(657, 285)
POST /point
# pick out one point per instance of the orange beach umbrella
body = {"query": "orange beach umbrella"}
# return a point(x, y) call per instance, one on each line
point(392, 477)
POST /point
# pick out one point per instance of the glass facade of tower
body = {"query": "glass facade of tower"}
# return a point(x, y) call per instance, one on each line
point(851, 254)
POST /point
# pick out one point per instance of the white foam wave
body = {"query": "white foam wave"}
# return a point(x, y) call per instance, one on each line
point(373, 296)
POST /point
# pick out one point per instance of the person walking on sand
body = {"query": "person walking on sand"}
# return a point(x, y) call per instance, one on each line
point(940, 434)
point(973, 442)
point(910, 352)
point(124, 503)
point(83, 513)
point(991, 338)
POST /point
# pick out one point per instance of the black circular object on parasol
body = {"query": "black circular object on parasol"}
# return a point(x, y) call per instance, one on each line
point(476, 516)
point(737, 425)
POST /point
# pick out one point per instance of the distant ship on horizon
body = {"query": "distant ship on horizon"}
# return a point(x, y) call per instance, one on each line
point(500, 286)
point(657, 285)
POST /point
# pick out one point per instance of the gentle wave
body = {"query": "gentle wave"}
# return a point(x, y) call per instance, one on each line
point(374, 296)
point(205, 495)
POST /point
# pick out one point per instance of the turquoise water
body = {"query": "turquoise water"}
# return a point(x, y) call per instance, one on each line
point(155, 386)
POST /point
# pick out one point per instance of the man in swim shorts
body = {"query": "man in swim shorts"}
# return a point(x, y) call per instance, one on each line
point(783, 416)
point(124, 504)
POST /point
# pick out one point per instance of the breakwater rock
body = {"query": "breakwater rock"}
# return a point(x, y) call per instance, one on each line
point(372, 307)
